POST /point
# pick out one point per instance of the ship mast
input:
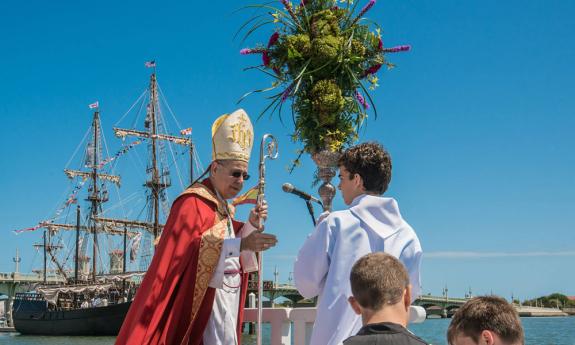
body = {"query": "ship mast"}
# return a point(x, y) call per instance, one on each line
point(155, 184)
point(95, 199)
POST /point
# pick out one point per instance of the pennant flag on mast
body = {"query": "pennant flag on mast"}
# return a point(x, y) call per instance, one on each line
point(94, 105)
point(150, 64)
point(249, 197)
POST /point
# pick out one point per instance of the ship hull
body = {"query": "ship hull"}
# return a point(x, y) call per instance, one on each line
point(35, 319)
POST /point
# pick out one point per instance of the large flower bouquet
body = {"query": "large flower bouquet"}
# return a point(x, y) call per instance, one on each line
point(324, 55)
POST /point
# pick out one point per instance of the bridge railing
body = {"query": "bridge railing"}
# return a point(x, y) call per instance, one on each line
point(27, 277)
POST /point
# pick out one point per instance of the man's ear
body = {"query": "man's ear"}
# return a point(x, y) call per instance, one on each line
point(486, 338)
point(213, 167)
point(354, 305)
point(358, 181)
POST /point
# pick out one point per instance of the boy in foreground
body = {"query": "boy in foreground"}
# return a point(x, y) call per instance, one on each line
point(485, 320)
point(382, 296)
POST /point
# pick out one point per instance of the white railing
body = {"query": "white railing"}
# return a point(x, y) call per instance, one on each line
point(281, 320)
point(298, 322)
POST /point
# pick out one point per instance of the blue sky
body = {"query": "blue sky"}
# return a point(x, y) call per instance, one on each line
point(478, 118)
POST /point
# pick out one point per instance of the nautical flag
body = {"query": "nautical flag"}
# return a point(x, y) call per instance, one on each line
point(186, 131)
point(36, 227)
point(135, 246)
point(150, 64)
point(94, 105)
point(249, 197)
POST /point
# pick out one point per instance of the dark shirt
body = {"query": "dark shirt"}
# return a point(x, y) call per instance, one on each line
point(385, 333)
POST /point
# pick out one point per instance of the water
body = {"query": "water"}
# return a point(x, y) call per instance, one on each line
point(538, 331)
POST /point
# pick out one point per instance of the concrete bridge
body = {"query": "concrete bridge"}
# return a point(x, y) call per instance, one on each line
point(14, 282)
point(443, 306)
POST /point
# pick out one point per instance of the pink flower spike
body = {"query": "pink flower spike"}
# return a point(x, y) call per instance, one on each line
point(273, 39)
point(363, 11)
point(286, 93)
point(361, 100)
point(397, 49)
point(247, 51)
point(380, 44)
point(366, 8)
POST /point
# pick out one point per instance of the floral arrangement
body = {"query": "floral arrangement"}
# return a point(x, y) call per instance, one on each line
point(324, 55)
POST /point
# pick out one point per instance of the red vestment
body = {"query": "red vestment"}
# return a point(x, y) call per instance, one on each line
point(173, 303)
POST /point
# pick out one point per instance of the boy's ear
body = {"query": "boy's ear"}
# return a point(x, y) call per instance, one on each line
point(486, 338)
point(354, 305)
point(407, 296)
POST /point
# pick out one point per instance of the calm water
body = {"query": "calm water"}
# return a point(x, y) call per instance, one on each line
point(538, 331)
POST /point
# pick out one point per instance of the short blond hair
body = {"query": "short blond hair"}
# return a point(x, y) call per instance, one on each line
point(378, 279)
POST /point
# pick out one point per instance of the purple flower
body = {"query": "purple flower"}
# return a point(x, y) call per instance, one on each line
point(397, 49)
point(302, 3)
point(289, 8)
point(365, 9)
point(380, 44)
point(273, 39)
point(373, 69)
point(247, 51)
point(286, 93)
point(266, 59)
point(361, 100)
point(362, 12)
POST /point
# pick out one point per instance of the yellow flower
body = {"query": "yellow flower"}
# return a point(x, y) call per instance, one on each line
point(378, 31)
point(373, 80)
point(276, 17)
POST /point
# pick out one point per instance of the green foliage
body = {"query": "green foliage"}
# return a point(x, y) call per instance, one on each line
point(320, 60)
point(551, 301)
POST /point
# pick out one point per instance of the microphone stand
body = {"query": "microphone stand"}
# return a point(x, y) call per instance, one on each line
point(310, 210)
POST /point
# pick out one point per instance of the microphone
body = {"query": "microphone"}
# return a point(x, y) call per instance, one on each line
point(289, 188)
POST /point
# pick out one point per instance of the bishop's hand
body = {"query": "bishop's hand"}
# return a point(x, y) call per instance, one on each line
point(259, 213)
point(258, 241)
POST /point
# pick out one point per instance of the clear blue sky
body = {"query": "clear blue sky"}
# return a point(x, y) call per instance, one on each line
point(478, 118)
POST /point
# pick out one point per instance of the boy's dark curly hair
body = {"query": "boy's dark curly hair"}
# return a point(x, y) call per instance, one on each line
point(372, 162)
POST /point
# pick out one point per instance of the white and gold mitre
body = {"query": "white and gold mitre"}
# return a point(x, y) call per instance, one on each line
point(232, 137)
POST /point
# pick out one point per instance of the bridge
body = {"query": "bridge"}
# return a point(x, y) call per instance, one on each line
point(14, 282)
point(442, 306)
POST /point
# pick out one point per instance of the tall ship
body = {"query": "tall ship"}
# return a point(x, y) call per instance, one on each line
point(94, 256)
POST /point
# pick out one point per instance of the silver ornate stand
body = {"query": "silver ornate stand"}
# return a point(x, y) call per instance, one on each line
point(326, 162)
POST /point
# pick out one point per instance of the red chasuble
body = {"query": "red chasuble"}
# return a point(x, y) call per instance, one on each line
point(173, 303)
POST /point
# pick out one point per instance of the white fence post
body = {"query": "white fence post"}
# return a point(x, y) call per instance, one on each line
point(303, 319)
point(279, 320)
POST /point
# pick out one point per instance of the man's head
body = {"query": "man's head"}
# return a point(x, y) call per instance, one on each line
point(364, 168)
point(232, 141)
point(379, 281)
point(485, 320)
point(228, 177)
